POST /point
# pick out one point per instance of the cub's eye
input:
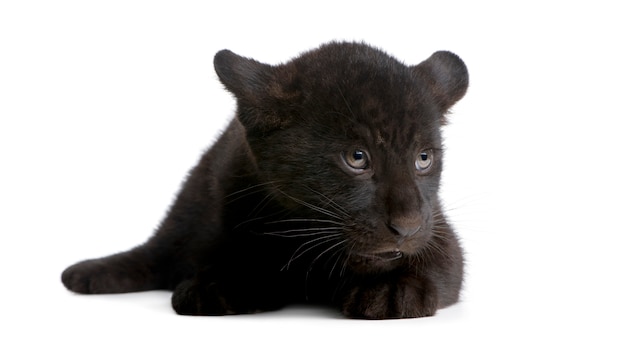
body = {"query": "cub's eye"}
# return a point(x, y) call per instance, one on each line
point(424, 160)
point(356, 159)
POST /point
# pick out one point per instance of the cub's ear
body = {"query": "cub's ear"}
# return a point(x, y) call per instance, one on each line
point(246, 78)
point(260, 90)
point(447, 77)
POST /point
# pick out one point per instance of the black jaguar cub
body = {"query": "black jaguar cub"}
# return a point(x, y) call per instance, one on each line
point(323, 188)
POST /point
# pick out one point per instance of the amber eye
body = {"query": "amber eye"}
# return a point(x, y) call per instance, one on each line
point(357, 159)
point(424, 160)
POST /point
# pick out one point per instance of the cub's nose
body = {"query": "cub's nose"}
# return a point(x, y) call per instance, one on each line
point(404, 229)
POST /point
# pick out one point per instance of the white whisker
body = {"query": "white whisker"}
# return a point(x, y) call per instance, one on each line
point(295, 255)
point(331, 202)
point(305, 220)
point(328, 249)
point(247, 191)
point(317, 231)
point(313, 207)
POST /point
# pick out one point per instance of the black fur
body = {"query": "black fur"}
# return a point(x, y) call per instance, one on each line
point(324, 188)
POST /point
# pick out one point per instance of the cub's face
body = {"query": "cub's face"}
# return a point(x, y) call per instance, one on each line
point(349, 140)
point(364, 160)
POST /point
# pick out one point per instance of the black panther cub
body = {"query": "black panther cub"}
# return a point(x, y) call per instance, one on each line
point(323, 188)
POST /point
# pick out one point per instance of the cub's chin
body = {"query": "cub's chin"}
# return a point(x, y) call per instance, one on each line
point(389, 257)
point(374, 262)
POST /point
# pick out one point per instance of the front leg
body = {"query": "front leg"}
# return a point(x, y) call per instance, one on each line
point(393, 296)
point(195, 298)
point(211, 296)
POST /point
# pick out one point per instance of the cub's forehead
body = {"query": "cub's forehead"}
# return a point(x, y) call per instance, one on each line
point(386, 111)
point(381, 111)
point(397, 132)
point(363, 93)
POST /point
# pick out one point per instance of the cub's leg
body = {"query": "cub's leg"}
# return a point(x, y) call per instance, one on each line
point(134, 270)
point(229, 292)
point(395, 296)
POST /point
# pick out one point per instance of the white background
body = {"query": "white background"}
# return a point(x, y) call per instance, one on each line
point(104, 107)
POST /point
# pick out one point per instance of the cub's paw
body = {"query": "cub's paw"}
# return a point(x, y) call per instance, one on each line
point(405, 297)
point(87, 277)
point(109, 275)
point(200, 299)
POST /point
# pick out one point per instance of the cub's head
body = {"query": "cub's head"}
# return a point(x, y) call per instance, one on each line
point(349, 138)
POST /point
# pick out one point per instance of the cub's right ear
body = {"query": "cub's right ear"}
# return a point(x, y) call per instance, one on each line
point(246, 78)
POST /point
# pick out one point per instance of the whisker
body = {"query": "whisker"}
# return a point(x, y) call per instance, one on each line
point(324, 239)
point(318, 231)
point(315, 259)
point(313, 207)
point(338, 253)
point(304, 220)
point(440, 234)
point(262, 204)
point(345, 261)
point(347, 103)
point(249, 220)
point(331, 202)
point(328, 249)
point(436, 247)
point(295, 255)
point(249, 188)
point(247, 191)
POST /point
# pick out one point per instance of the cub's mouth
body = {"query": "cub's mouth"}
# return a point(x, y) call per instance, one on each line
point(385, 256)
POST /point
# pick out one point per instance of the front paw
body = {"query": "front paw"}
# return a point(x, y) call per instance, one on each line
point(200, 299)
point(404, 297)
point(94, 277)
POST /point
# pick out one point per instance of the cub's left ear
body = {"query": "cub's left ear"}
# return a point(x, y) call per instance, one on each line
point(447, 77)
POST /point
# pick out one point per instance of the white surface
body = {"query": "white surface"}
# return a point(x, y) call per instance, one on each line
point(104, 108)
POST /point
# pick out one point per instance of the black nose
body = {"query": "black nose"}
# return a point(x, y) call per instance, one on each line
point(404, 229)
